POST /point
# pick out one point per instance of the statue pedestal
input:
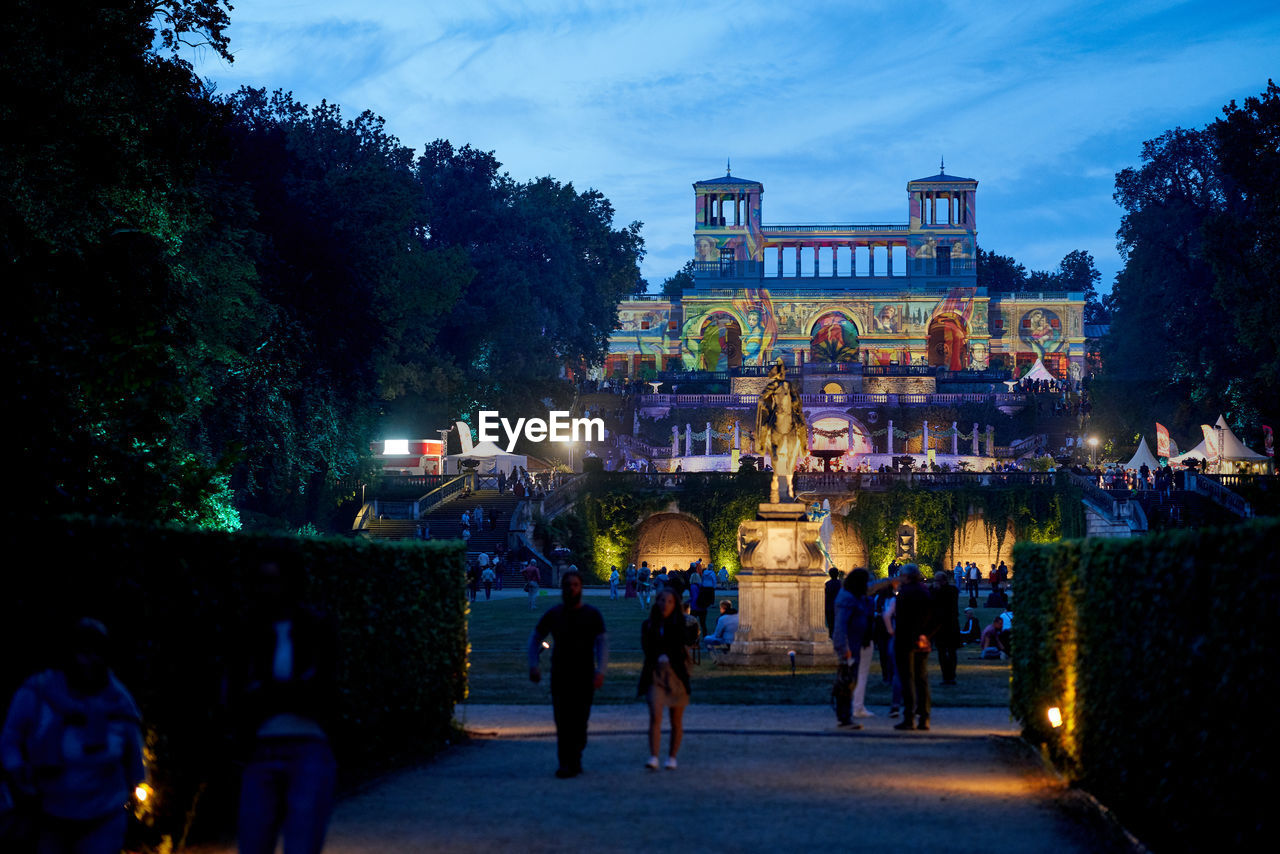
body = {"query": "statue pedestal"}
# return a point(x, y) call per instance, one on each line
point(780, 592)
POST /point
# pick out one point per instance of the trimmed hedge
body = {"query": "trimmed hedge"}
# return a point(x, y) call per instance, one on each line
point(1161, 653)
point(172, 596)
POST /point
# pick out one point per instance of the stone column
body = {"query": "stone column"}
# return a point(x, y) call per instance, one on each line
point(835, 259)
point(888, 434)
point(955, 440)
point(688, 440)
point(737, 437)
point(991, 441)
point(799, 250)
point(708, 438)
point(888, 251)
point(737, 209)
point(871, 258)
point(817, 248)
point(780, 248)
point(853, 260)
point(924, 439)
point(675, 441)
point(975, 438)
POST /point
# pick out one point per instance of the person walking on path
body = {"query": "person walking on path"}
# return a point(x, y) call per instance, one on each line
point(283, 693)
point(531, 579)
point(613, 583)
point(914, 615)
point(830, 591)
point(975, 575)
point(852, 627)
point(664, 676)
point(488, 576)
point(946, 602)
point(579, 658)
point(632, 576)
point(72, 745)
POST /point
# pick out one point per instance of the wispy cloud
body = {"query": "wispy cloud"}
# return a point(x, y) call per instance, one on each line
point(833, 105)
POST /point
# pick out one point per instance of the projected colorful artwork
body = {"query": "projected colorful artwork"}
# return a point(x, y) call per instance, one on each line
point(720, 342)
point(818, 293)
point(761, 332)
point(889, 318)
point(835, 339)
point(1041, 330)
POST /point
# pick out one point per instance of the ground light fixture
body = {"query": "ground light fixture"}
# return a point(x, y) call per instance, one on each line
point(1055, 716)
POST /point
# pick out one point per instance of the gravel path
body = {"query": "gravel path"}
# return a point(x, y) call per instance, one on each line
point(751, 778)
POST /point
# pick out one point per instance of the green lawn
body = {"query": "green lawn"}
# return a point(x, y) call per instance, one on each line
point(500, 631)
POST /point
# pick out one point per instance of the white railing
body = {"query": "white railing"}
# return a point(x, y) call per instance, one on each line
point(749, 400)
point(1219, 494)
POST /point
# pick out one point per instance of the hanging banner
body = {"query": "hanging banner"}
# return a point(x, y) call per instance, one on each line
point(1268, 441)
point(1162, 440)
point(1211, 449)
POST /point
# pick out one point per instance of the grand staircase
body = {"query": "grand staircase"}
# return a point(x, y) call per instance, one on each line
point(445, 520)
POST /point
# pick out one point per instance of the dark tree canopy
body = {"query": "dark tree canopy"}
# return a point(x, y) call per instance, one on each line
point(216, 303)
point(1193, 332)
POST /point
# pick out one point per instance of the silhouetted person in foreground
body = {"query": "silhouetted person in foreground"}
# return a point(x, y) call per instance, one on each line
point(946, 602)
point(283, 695)
point(72, 747)
point(578, 661)
point(915, 623)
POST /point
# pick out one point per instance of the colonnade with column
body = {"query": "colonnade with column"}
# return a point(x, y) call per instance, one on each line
point(713, 208)
point(944, 207)
point(817, 247)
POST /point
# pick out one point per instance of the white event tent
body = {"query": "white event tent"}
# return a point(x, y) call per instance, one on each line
point(490, 457)
point(1143, 456)
point(1233, 450)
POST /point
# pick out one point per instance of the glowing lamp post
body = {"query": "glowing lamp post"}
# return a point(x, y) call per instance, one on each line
point(1055, 717)
point(1093, 451)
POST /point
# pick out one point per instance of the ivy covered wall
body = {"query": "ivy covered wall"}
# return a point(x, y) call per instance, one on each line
point(602, 529)
point(1036, 514)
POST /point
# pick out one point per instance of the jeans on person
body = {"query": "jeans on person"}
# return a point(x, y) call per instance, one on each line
point(895, 679)
point(884, 645)
point(613, 590)
point(913, 673)
point(572, 707)
point(288, 786)
point(842, 692)
point(533, 593)
point(488, 590)
point(103, 835)
point(865, 654)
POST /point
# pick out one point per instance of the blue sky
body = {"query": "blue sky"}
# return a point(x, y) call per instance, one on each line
point(833, 106)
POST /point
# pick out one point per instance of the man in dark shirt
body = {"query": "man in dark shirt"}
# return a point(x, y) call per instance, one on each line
point(831, 590)
point(578, 662)
point(915, 624)
point(946, 602)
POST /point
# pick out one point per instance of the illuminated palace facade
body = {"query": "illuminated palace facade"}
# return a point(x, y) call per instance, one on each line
point(836, 295)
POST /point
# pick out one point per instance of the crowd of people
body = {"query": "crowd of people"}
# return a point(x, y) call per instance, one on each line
point(901, 620)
